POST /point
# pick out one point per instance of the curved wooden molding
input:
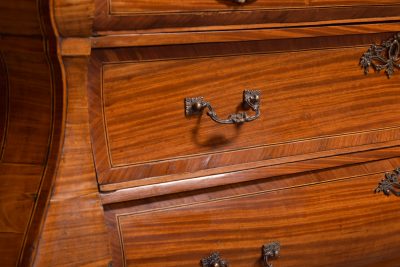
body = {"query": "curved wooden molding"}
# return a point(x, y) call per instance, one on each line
point(3, 103)
point(32, 120)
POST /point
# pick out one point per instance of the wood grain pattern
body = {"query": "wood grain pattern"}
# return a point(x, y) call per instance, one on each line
point(50, 47)
point(27, 136)
point(10, 247)
point(29, 104)
point(251, 187)
point(106, 22)
point(19, 185)
point(33, 91)
point(126, 191)
point(143, 110)
point(19, 17)
point(343, 146)
point(75, 47)
point(74, 232)
point(149, 205)
point(128, 124)
point(150, 39)
point(4, 92)
point(74, 18)
point(226, 194)
point(164, 6)
point(319, 221)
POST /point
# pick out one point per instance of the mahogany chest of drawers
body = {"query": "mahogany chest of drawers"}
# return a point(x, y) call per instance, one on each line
point(213, 132)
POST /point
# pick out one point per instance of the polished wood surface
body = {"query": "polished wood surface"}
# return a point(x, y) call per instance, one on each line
point(19, 185)
point(318, 224)
point(3, 103)
point(31, 118)
point(137, 110)
point(164, 6)
point(74, 233)
point(29, 111)
point(75, 47)
point(27, 136)
point(131, 190)
point(74, 18)
point(326, 214)
point(20, 17)
point(99, 166)
point(156, 38)
point(106, 22)
point(143, 111)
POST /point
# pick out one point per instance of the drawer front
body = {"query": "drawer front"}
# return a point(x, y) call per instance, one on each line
point(311, 101)
point(336, 223)
point(123, 15)
point(163, 6)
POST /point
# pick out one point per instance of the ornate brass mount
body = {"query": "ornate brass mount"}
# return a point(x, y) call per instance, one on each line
point(390, 183)
point(269, 252)
point(385, 56)
point(251, 99)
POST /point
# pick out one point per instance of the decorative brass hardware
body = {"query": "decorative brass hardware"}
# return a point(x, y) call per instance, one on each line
point(214, 260)
point(269, 252)
point(240, 2)
point(385, 56)
point(251, 99)
point(390, 183)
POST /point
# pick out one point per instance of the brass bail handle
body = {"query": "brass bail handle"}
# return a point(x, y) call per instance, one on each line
point(251, 100)
point(269, 252)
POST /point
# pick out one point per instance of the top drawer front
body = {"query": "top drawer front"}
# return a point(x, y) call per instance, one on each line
point(311, 101)
point(182, 6)
point(124, 15)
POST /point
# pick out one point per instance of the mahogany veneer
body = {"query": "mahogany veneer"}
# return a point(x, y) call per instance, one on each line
point(99, 166)
point(320, 222)
point(327, 213)
point(124, 15)
point(134, 130)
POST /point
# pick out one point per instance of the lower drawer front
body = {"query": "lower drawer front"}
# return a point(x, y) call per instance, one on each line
point(339, 223)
